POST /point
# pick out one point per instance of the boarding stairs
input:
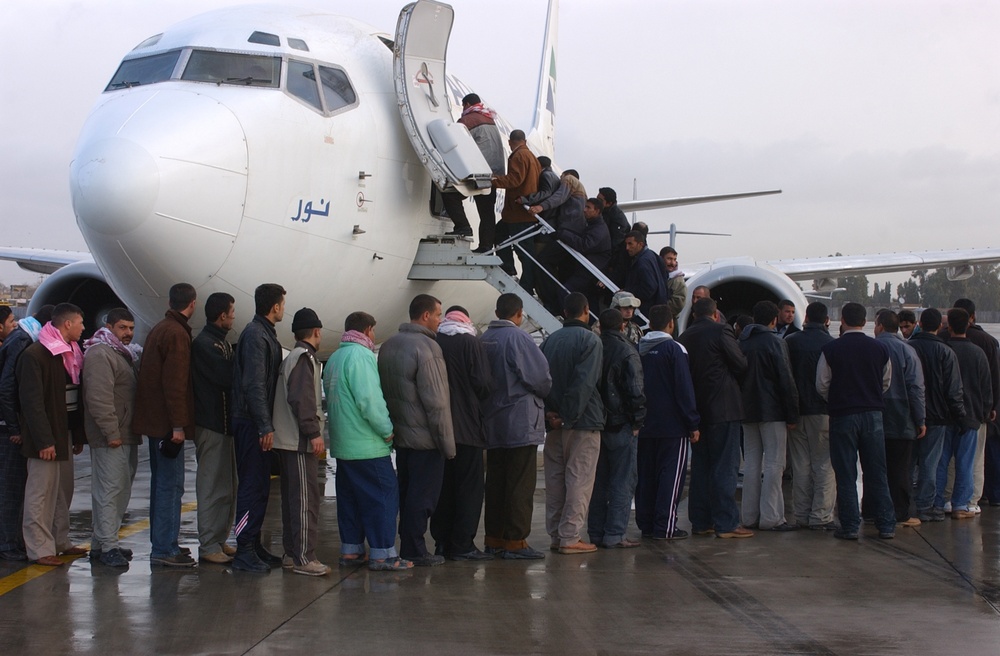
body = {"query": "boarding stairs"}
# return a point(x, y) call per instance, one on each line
point(442, 257)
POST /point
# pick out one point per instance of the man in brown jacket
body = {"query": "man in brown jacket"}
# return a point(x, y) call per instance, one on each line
point(164, 412)
point(523, 171)
point(48, 375)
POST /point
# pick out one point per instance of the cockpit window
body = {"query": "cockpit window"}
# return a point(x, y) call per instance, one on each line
point(302, 83)
point(150, 42)
point(337, 90)
point(144, 70)
point(233, 68)
point(298, 44)
point(264, 38)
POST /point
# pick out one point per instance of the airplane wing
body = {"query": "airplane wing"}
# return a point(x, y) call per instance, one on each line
point(640, 205)
point(859, 265)
point(42, 260)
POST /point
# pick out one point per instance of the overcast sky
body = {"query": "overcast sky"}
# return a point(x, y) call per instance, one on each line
point(879, 120)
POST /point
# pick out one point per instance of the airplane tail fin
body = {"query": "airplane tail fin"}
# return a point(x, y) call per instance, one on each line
point(543, 130)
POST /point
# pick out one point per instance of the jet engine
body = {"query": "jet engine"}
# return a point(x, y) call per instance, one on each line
point(738, 284)
point(83, 285)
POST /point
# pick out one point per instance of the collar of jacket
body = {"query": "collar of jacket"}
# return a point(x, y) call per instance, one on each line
point(416, 328)
point(179, 318)
point(215, 331)
point(264, 321)
point(816, 326)
point(307, 346)
point(891, 336)
point(926, 335)
point(575, 323)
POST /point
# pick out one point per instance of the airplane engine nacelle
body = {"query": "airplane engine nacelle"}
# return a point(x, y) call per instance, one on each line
point(738, 284)
point(83, 285)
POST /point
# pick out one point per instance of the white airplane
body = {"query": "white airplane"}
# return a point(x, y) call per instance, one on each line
point(268, 144)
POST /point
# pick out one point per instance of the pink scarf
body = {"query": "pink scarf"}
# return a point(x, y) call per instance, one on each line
point(456, 322)
point(478, 108)
point(106, 337)
point(356, 337)
point(72, 356)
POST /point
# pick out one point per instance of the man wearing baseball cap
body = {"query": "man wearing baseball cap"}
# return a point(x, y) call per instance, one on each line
point(626, 303)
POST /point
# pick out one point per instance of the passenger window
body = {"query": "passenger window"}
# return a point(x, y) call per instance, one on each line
point(337, 90)
point(302, 83)
point(144, 70)
point(233, 68)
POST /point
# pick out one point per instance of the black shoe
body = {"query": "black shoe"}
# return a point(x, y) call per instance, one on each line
point(496, 552)
point(13, 554)
point(475, 554)
point(177, 560)
point(246, 560)
point(526, 553)
point(782, 528)
point(482, 249)
point(841, 534)
point(266, 556)
point(428, 560)
point(678, 534)
point(113, 558)
point(829, 526)
point(887, 535)
point(459, 232)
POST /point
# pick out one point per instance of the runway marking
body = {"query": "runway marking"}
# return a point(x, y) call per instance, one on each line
point(31, 572)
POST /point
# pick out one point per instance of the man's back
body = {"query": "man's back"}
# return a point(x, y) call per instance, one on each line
point(515, 411)
point(717, 365)
point(977, 388)
point(645, 279)
point(164, 398)
point(942, 380)
point(574, 354)
point(672, 411)
point(804, 349)
point(904, 400)
point(769, 392)
point(256, 364)
point(856, 364)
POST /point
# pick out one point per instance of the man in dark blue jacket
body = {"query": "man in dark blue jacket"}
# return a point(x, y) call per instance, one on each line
point(575, 415)
point(622, 393)
point(671, 421)
point(255, 379)
point(646, 275)
point(813, 484)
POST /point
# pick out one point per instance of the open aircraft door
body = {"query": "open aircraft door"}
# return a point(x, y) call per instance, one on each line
point(445, 147)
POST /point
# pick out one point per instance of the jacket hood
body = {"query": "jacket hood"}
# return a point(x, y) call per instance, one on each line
point(650, 341)
point(754, 329)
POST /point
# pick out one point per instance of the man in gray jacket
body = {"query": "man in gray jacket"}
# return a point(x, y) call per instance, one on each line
point(415, 384)
point(109, 379)
point(575, 415)
point(514, 418)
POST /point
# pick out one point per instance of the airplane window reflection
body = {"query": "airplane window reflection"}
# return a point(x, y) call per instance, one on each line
point(233, 68)
point(302, 83)
point(337, 89)
point(144, 70)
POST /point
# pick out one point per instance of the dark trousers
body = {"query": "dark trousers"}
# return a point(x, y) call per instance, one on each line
point(899, 475)
point(505, 231)
point(455, 521)
point(715, 463)
point(454, 204)
point(253, 466)
point(853, 436)
point(300, 497)
point(991, 465)
point(662, 465)
point(511, 475)
point(13, 474)
point(367, 505)
point(420, 475)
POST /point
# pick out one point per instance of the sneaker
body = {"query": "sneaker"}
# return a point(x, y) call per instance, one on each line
point(527, 553)
point(829, 526)
point(428, 560)
point(217, 558)
point(312, 568)
point(738, 532)
point(269, 558)
point(960, 513)
point(287, 562)
point(947, 507)
point(842, 534)
point(974, 508)
point(246, 560)
point(475, 554)
point(177, 560)
point(886, 535)
point(496, 552)
point(113, 558)
point(95, 554)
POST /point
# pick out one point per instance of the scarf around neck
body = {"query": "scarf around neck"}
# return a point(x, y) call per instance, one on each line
point(31, 326)
point(72, 356)
point(106, 337)
point(478, 108)
point(357, 337)
point(456, 323)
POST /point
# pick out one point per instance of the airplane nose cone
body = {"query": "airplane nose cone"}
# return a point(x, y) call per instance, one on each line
point(115, 186)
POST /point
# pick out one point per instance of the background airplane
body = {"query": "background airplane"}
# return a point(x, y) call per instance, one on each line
point(301, 201)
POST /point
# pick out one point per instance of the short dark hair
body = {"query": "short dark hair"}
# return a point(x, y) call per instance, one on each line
point(218, 303)
point(660, 317)
point(181, 295)
point(574, 305)
point(889, 321)
point(966, 304)
point(44, 314)
point(642, 227)
point(359, 321)
point(783, 303)
point(930, 320)
point(63, 312)
point(853, 314)
point(5, 312)
point(609, 194)
point(907, 315)
point(517, 135)
point(958, 321)
point(422, 303)
point(637, 235)
point(667, 249)
point(119, 314)
point(266, 296)
point(597, 202)
point(742, 321)
point(472, 99)
point(611, 319)
point(764, 312)
point(817, 312)
point(704, 307)
point(457, 308)
point(544, 162)
point(508, 305)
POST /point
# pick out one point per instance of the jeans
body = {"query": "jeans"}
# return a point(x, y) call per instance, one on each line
point(715, 463)
point(367, 505)
point(928, 456)
point(166, 488)
point(853, 436)
point(960, 444)
point(763, 453)
point(614, 486)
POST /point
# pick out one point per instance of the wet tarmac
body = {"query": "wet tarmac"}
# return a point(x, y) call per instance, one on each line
point(932, 590)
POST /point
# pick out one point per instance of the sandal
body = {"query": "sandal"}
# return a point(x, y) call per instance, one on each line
point(353, 559)
point(396, 564)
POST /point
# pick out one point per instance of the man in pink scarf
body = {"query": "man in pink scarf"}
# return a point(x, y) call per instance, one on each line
point(48, 375)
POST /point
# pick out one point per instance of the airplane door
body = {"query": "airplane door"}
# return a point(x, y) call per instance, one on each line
point(445, 147)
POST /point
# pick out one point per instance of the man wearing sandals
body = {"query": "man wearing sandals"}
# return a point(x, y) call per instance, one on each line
point(361, 441)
